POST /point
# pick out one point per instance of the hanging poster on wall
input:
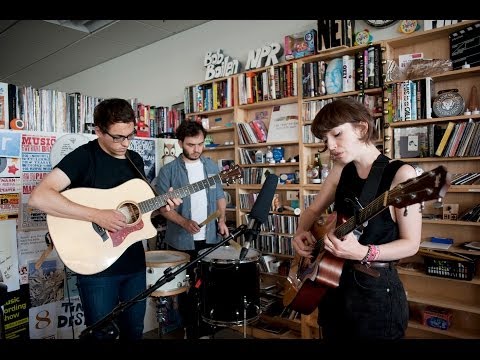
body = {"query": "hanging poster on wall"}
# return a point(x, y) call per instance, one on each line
point(146, 148)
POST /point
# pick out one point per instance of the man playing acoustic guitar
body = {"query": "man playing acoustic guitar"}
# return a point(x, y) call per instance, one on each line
point(103, 163)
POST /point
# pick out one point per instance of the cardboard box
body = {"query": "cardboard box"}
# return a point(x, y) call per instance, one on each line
point(301, 44)
point(437, 317)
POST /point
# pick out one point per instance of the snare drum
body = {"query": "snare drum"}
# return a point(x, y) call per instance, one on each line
point(230, 287)
point(158, 262)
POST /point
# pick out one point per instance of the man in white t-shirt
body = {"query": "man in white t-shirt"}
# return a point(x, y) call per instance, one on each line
point(183, 232)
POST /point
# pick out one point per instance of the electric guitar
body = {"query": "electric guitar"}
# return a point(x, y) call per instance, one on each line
point(87, 248)
point(309, 279)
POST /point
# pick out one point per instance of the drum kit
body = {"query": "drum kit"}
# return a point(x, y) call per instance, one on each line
point(229, 287)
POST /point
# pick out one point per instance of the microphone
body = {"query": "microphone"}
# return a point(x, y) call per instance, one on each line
point(259, 212)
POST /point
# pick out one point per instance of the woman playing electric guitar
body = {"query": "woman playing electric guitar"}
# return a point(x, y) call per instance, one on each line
point(370, 301)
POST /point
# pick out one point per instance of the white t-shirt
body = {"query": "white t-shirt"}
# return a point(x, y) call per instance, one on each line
point(199, 198)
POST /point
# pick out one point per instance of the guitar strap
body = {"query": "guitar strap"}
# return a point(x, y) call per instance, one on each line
point(368, 194)
point(373, 180)
point(143, 177)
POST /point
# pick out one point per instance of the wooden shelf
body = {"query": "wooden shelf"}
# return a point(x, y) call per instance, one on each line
point(423, 122)
point(343, 94)
point(434, 44)
point(269, 165)
point(440, 159)
point(445, 303)
point(220, 147)
point(211, 112)
point(262, 334)
point(270, 143)
point(474, 281)
point(450, 222)
point(452, 332)
point(220, 129)
point(257, 105)
point(460, 296)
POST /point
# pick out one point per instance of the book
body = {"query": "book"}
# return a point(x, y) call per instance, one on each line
point(445, 137)
point(283, 123)
point(4, 116)
point(225, 164)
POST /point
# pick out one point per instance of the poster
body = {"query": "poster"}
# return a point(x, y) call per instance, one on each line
point(15, 313)
point(9, 255)
point(47, 282)
point(146, 148)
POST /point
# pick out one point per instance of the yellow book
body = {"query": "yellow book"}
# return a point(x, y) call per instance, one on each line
point(446, 136)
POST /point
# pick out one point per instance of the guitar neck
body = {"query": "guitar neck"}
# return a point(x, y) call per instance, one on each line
point(161, 200)
point(365, 214)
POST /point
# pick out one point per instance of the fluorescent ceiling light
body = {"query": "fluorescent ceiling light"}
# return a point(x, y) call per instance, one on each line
point(86, 26)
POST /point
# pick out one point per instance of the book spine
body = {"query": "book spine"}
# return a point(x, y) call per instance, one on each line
point(445, 137)
point(348, 74)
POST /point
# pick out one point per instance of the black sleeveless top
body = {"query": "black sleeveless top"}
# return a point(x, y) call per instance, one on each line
point(381, 229)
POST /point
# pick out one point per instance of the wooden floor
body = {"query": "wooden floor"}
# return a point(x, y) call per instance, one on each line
point(218, 333)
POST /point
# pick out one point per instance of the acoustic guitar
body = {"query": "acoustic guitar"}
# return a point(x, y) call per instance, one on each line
point(86, 248)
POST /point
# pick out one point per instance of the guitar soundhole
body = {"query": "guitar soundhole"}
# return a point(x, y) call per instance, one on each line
point(131, 212)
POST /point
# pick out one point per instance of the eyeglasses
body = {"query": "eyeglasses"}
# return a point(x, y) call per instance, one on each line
point(121, 138)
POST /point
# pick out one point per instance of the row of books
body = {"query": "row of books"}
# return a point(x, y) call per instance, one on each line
point(254, 175)
point(211, 96)
point(358, 72)
point(466, 179)
point(275, 244)
point(282, 224)
point(374, 102)
point(460, 139)
point(46, 110)
point(252, 132)
point(472, 214)
point(276, 82)
point(409, 100)
point(154, 121)
point(452, 139)
point(57, 111)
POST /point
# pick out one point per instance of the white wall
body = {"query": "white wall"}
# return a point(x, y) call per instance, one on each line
point(157, 74)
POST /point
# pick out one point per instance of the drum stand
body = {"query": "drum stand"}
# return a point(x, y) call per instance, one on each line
point(168, 276)
point(162, 304)
point(214, 325)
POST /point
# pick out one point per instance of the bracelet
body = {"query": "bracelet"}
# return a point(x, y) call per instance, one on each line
point(372, 254)
point(367, 255)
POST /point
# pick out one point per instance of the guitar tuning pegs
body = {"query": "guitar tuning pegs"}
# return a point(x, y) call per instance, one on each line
point(422, 206)
point(405, 212)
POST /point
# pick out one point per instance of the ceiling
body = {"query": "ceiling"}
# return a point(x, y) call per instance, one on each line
point(40, 52)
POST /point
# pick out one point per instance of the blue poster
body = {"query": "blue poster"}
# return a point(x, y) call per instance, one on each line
point(10, 144)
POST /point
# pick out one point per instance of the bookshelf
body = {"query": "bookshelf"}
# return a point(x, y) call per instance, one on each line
point(422, 289)
point(257, 95)
point(460, 297)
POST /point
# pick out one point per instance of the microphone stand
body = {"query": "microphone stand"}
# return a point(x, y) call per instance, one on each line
point(168, 276)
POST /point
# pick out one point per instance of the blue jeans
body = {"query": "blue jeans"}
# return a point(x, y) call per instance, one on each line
point(101, 294)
